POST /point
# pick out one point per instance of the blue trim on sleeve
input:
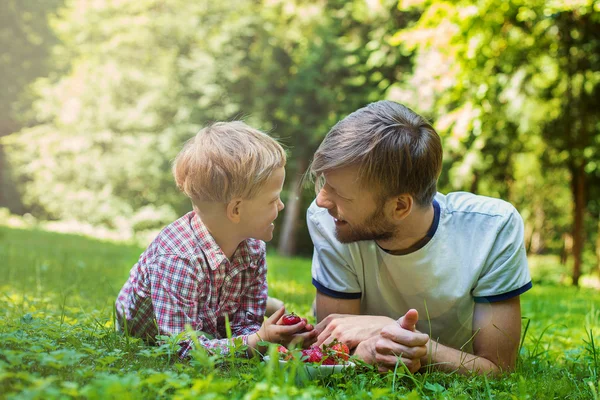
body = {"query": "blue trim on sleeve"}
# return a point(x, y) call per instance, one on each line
point(504, 296)
point(333, 293)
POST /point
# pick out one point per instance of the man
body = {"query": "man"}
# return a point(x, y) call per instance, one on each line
point(404, 272)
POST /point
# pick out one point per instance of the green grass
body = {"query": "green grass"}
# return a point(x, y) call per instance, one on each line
point(57, 338)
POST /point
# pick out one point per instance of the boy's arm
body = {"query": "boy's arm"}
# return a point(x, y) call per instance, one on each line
point(175, 294)
point(251, 311)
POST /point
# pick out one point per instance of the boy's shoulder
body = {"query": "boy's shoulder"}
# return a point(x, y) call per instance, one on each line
point(177, 238)
point(187, 237)
point(257, 251)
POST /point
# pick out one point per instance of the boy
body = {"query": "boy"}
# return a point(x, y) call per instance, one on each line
point(210, 263)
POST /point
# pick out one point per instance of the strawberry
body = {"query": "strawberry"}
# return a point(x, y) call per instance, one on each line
point(340, 350)
point(284, 353)
point(329, 361)
point(290, 319)
point(312, 355)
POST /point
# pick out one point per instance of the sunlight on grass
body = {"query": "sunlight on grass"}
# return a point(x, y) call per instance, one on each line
point(57, 337)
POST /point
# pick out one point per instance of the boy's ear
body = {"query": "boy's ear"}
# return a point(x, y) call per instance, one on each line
point(234, 210)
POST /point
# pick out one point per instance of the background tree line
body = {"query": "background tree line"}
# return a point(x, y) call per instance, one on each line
point(100, 95)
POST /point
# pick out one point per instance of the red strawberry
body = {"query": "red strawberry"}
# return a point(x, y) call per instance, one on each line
point(313, 355)
point(341, 351)
point(329, 361)
point(290, 319)
point(284, 353)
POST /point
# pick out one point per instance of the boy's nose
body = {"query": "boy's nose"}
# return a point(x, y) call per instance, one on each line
point(322, 200)
point(281, 205)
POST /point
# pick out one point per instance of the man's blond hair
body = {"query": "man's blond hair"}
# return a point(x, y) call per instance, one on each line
point(226, 160)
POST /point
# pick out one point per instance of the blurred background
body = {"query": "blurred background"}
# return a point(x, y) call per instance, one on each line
point(98, 96)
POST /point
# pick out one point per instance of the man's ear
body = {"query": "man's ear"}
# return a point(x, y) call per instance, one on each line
point(401, 206)
point(234, 212)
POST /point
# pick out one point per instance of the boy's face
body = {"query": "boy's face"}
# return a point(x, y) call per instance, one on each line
point(259, 212)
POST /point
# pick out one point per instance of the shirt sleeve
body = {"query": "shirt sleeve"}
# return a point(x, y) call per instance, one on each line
point(333, 272)
point(506, 273)
point(175, 292)
point(250, 315)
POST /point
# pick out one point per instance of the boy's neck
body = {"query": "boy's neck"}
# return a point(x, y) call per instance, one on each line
point(221, 229)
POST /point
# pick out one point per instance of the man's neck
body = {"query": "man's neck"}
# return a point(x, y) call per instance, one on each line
point(413, 229)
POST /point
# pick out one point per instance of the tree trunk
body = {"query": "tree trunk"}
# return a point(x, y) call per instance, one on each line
point(578, 188)
point(598, 248)
point(537, 238)
point(567, 248)
point(3, 200)
point(293, 206)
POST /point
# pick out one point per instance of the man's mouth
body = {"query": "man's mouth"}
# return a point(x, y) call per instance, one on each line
point(339, 221)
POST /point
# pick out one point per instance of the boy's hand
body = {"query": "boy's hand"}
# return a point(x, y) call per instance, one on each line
point(274, 331)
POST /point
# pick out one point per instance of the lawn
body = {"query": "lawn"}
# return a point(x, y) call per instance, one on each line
point(57, 338)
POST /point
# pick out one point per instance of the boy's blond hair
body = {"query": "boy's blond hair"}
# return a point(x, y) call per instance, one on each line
point(226, 160)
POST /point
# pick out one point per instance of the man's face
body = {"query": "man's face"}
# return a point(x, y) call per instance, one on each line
point(356, 213)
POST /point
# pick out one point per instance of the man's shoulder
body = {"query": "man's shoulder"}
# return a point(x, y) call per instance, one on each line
point(315, 212)
point(320, 223)
point(465, 203)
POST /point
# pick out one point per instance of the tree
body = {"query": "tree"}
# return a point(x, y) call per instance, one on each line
point(26, 40)
point(100, 147)
point(520, 77)
point(292, 69)
point(142, 76)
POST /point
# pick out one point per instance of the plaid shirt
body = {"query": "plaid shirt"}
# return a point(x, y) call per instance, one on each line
point(183, 278)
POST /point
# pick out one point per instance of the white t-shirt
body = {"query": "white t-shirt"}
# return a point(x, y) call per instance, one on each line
point(476, 254)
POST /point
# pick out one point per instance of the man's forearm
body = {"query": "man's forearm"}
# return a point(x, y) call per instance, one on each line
point(447, 359)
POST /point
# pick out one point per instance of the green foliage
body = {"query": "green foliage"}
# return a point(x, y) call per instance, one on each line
point(520, 82)
point(104, 135)
point(142, 76)
point(26, 40)
point(512, 86)
point(57, 338)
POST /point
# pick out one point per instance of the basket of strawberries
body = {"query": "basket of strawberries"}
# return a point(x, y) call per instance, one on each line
point(318, 362)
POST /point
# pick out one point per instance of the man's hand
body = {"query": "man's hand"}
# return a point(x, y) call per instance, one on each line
point(400, 339)
point(350, 329)
point(366, 350)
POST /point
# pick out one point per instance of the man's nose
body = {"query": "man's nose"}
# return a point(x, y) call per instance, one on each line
point(323, 201)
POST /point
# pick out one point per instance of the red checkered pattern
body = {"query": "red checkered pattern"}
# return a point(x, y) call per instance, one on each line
point(184, 278)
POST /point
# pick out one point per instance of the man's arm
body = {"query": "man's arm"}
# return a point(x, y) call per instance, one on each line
point(497, 328)
point(328, 306)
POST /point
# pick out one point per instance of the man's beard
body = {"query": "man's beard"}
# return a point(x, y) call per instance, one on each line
point(375, 227)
